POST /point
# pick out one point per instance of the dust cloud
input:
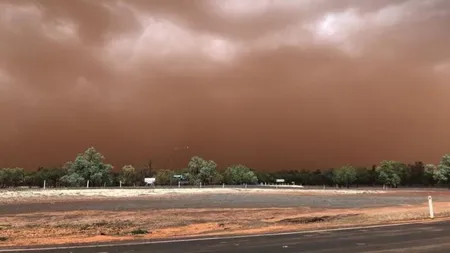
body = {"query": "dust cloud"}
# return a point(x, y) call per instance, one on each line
point(272, 84)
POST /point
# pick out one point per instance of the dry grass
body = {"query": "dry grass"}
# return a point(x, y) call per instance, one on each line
point(96, 226)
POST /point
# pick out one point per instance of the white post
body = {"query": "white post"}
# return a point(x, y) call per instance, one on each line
point(223, 185)
point(179, 184)
point(200, 184)
point(324, 187)
point(430, 206)
point(245, 186)
point(87, 184)
point(44, 184)
point(120, 184)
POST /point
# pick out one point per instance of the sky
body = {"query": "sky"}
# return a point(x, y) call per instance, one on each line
point(272, 84)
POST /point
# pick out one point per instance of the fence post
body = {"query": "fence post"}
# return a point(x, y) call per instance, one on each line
point(223, 185)
point(200, 184)
point(87, 184)
point(179, 184)
point(430, 206)
point(45, 182)
point(120, 183)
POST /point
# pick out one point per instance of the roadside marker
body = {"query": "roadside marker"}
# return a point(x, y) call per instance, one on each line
point(430, 206)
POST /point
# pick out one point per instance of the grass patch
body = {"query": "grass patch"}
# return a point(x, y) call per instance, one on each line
point(139, 232)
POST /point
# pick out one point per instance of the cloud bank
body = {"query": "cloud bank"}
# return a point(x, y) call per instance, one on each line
point(272, 84)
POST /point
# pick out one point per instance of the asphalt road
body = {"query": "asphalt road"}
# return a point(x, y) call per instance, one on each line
point(429, 238)
point(241, 200)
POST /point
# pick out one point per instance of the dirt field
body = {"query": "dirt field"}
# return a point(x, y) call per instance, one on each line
point(13, 202)
point(80, 216)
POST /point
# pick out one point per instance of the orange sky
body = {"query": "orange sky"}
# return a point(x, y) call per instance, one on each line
point(271, 84)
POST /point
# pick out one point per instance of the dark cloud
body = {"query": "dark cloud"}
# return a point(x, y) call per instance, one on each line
point(288, 98)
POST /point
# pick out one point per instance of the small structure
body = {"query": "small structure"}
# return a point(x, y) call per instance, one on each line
point(280, 181)
point(149, 181)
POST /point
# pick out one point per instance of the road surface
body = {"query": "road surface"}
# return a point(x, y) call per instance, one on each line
point(429, 238)
point(241, 200)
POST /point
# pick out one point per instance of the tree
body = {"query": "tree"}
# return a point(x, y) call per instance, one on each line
point(11, 177)
point(51, 176)
point(128, 175)
point(388, 173)
point(328, 176)
point(264, 177)
point(345, 175)
point(87, 166)
point(195, 164)
point(240, 174)
point(218, 179)
point(208, 172)
point(202, 171)
point(30, 178)
point(429, 175)
point(415, 173)
point(164, 177)
point(363, 176)
point(442, 173)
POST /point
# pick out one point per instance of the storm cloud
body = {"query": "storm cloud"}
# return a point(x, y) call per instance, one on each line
point(273, 84)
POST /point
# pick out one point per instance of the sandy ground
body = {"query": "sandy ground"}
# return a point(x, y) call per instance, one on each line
point(103, 226)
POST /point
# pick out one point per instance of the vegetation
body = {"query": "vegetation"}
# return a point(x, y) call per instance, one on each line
point(90, 167)
point(345, 176)
point(239, 174)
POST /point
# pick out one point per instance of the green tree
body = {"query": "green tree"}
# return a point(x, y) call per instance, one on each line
point(30, 179)
point(87, 166)
point(11, 177)
point(128, 175)
point(389, 173)
point(202, 171)
point(218, 179)
point(195, 164)
point(442, 173)
point(429, 177)
point(415, 174)
point(208, 172)
point(264, 177)
point(345, 175)
point(240, 174)
point(363, 176)
point(164, 177)
point(51, 176)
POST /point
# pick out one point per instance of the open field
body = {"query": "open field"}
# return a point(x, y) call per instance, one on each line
point(28, 201)
point(93, 215)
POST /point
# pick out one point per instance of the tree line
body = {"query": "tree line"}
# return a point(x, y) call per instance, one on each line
point(90, 167)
